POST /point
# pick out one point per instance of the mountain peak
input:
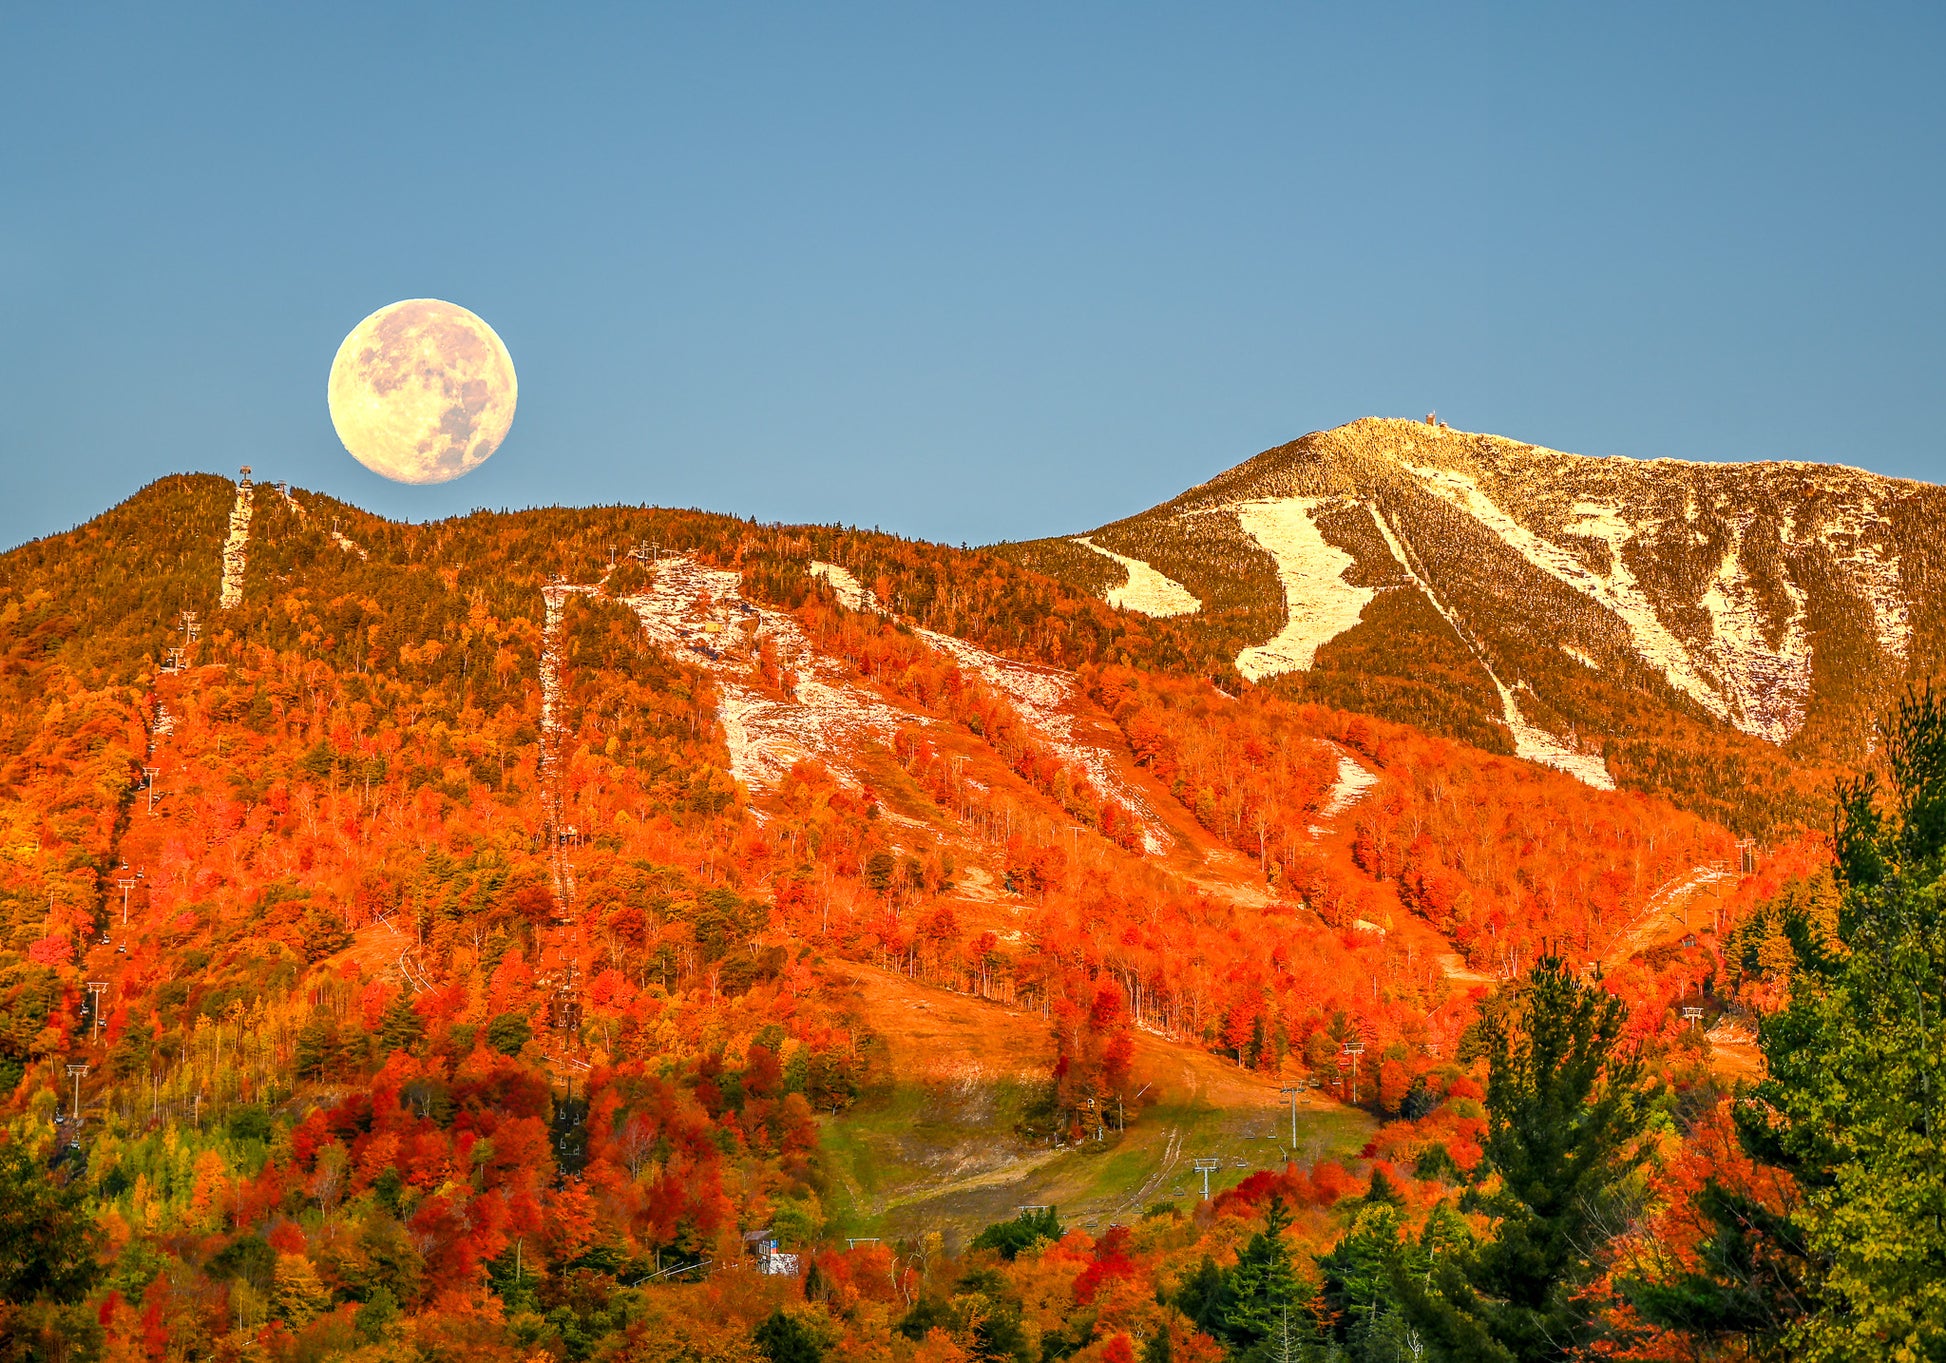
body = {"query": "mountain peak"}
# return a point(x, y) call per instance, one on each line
point(1544, 602)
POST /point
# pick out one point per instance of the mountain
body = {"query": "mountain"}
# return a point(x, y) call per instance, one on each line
point(413, 934)
point(1723, 634)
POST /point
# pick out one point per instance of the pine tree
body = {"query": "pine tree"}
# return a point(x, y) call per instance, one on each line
point(1748, 1285)
point(1204, 1297)
point(401, 1029)
point(784, 1339)
point(1566, 1106)
point(1359, 1272)
point(1854, 1107)
point(1263, 1286)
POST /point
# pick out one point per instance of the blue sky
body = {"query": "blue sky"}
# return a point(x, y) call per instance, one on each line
point(965, 272)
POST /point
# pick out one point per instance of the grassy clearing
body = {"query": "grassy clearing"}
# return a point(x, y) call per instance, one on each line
point(938, 1149)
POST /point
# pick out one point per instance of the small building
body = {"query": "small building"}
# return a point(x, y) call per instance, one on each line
point(771, 1260)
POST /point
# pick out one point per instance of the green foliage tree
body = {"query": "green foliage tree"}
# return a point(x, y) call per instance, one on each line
point(1263, 1289)
point(1566, 1107)
point(784, 1339)
point(1359, 1271)
point(1009, 1238)
point(1854, 1105)
point(1204, 1296)
point(509, 1033)
point(401, 1028)
point(49, 1246)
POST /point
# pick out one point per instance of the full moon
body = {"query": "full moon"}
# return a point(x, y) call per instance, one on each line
point(422, 391)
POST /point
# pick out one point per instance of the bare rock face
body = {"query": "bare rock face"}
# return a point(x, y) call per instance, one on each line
point(1579, 611)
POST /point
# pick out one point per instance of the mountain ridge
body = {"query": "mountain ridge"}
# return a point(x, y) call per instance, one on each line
point(537, 900)
point(1783, 601)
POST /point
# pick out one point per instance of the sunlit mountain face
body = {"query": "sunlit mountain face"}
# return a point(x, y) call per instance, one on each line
point(1613, 618)
point(621, 924)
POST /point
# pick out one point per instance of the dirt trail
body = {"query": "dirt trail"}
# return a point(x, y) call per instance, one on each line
point(1663, 915)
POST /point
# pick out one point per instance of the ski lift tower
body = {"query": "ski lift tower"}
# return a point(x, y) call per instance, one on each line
point(75, 1072)
point(1289, 1093)
point(96, 988)
point(1206, 1167)
point(1354, 1049)
point(125, 883)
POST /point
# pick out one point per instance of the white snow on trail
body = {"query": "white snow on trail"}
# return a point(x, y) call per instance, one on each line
point(1045, 698)
point(1767, 686)
point(700, 616)
point(850, 591)
point(236, 549)
point(1530, 742)
point(1618, 589)
point(1349, 788)
point(1146, 590)
point(1319, 604)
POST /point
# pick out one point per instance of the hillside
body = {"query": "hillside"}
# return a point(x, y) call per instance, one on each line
point(1722, 634)
point(524, 905)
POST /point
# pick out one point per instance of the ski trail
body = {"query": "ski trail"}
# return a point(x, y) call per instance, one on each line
point(1146, 591)
point(1530, 742)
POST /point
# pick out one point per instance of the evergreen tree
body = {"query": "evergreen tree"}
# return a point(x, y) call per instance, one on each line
point(1263, 1286)
point(1854, 1106)
point(509, 1033)
point(783, 1339)
point(1009, 1238)
point(1204, 1297)
point(1566, 1106)
point(1359, 1272)
point(401, 1029)
point(1749, 1284)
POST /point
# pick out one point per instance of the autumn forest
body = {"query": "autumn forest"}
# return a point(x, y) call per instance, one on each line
point(594, 934)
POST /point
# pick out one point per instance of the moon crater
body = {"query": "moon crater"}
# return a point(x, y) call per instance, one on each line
point(422, 391)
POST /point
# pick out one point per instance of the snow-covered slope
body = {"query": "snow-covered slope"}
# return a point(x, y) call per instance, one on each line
point(1783, 602)
point(1146, 590)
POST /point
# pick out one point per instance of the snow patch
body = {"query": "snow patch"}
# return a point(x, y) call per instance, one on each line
point(1353, 780)
point(1045, 698)
point(1584, 659)
point(1617, 589)
point(1319, 604)
point(236, 548)
point(700, 616)
point(1530, 742)
point(1766, 686)
point(1146, 590)
point(850, 591)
